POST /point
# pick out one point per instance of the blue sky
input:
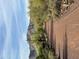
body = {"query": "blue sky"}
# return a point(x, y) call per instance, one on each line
point(14, 21)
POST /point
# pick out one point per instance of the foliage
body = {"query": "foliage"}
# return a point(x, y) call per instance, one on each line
point(40, 11)
point(40, 57)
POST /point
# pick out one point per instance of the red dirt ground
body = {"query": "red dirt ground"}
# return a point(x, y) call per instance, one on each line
point(68, 23)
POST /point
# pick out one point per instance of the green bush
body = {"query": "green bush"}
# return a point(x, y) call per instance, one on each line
point(40, 11)
point(40, 57)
